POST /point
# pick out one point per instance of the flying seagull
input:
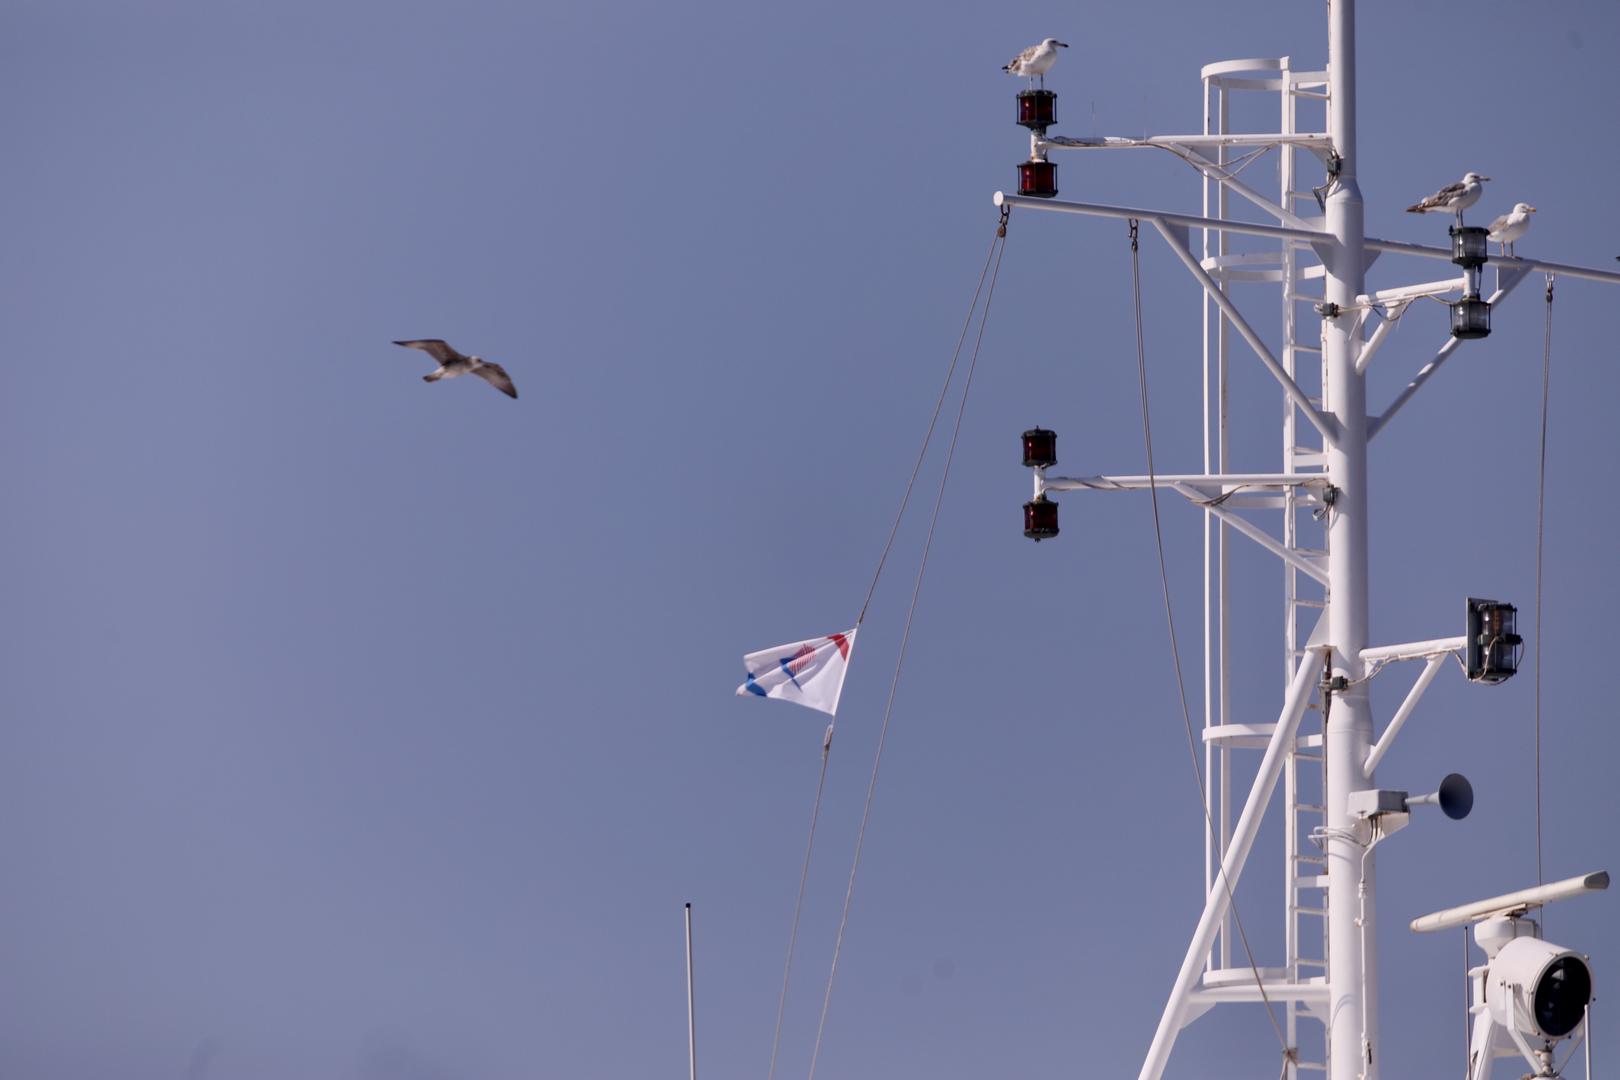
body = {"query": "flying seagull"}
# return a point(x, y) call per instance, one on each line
point(1506, 229)
point(1454, 197)
point(452, 363)
point(1035, 60)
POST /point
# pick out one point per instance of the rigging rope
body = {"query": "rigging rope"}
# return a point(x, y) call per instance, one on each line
point(1541, 519)
point(1175, 651)
point(826, 745)
point(1468, 1042)
point(999, 246)
point(798, 904)
point(950, 372)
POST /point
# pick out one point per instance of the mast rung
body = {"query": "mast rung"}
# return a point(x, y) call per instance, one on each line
point(1315, 95)
point(1315, 1066)
point(1310, 961)
point(1318, 860)
point(1300, 909)
point(1309, 808)
point(1303, 602)
point(1311, 881)
point(1310, 552)
point(1300, 346)
point(1308, 757)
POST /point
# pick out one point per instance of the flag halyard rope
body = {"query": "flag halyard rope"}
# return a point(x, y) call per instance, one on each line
point(998, 247)
point(798, 904)
point(922, 451)
point(826, 748)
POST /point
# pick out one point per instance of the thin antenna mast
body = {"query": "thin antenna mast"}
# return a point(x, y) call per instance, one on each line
point(691, 1024)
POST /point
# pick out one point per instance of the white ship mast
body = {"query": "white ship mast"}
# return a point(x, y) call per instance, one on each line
point(1329, 975)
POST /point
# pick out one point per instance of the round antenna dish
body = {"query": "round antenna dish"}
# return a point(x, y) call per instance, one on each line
point(1456, 796)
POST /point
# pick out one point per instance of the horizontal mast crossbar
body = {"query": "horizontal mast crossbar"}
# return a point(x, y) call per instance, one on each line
point(1506, 262)
point(1116, 142)
point(1278, 232)
point(1188, 221)
point(1222, 482)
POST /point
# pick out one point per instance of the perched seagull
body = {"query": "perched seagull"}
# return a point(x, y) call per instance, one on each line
point(452, 363)
point(1454, 197)
point(1511, 225)
point(1035, 61)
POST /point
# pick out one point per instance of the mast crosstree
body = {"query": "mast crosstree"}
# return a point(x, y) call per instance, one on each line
point(1334, 813)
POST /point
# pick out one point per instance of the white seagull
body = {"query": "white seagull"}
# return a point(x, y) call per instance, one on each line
point(452, 363)
point(1506, 229)
point(1454, 197)
point(1035, 60)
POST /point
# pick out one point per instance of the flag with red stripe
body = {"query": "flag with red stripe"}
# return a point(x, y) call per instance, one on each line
point(809, 673)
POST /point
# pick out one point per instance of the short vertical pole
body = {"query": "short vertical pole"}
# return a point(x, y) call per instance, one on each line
point(691, 1024)
point(1587, 1024)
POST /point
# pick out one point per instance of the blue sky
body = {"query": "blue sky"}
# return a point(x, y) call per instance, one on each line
point(362, 728)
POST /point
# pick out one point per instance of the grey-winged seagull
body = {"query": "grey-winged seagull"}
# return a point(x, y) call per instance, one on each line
point(452, 363)
point(1454, 197)
point(1035, 61)
point(1506, 229)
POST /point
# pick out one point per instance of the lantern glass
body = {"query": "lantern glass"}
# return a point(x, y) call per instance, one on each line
point(1037, 109)
point(1493, 643)
point(1040, 448)
point(1040, 518)
point(1038, 178)
point(1470, 318)
point(1470, 246)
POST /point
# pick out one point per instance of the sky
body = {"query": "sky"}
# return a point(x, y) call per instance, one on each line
point(361, 728)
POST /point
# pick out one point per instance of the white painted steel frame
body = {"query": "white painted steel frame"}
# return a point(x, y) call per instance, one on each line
point(1387, 739)
point(1344, 996)
point(1176, 1012)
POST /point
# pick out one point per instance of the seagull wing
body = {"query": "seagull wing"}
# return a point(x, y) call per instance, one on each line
point(1499, 224)
point(1024, 57)
point(1440, 198)
point(437, 348)
point(497, 377)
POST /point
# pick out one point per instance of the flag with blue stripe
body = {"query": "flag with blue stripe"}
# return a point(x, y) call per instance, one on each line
point(809, 673)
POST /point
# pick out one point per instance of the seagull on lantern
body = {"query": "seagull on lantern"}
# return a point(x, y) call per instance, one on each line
point(452, 363)
point(1035, 61)
point(1454, 197)
point(1511, 225)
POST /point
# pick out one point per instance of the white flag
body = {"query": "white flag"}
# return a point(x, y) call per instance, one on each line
point(805, 672)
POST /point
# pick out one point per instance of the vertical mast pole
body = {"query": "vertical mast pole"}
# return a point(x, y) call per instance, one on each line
point(691, 1025)
point(1353, 1028)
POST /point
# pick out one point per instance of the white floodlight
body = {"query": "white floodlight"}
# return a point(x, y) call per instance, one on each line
point(1538, 988)
point(1528, 988)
